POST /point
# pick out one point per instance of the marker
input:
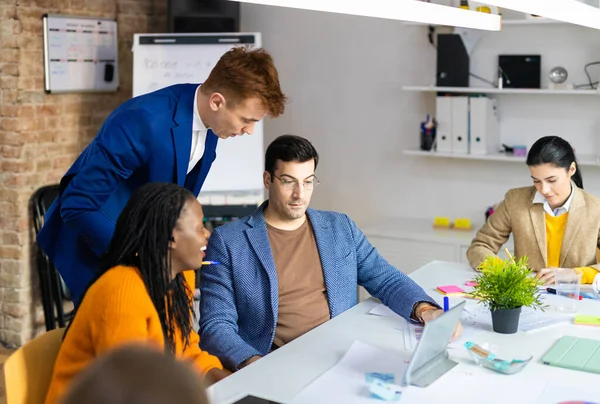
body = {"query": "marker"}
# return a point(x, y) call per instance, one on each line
point(211, 263)
point(446, 303)
point(570, 296)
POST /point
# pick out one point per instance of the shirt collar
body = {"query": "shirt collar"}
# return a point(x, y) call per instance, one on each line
point(197, 124)
point(539, 198)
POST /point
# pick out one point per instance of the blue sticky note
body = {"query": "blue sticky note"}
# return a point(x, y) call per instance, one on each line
point(385, 391)
point(370, 377)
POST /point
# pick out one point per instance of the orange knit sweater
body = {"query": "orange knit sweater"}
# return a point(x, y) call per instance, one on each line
point(117, 310)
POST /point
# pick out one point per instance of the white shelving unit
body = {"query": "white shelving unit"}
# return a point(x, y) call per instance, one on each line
point(505, 22)
point(512, 21)
point(491, 90)
point(531, 21)
point(583, 159)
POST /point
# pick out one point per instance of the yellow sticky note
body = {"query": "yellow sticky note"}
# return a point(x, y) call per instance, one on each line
point(441, 222)
point(462, 224)
point(587, 320)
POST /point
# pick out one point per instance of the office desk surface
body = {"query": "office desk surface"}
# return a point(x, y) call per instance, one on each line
point(284, 373)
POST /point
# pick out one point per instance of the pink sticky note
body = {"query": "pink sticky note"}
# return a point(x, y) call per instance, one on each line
point(450, 290)
point(471, 283)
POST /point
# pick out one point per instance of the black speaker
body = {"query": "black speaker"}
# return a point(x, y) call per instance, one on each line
point(452, 61)
point(203, 16)
point(520, 71)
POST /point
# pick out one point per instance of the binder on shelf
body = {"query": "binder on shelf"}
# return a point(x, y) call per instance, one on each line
point(443, 111)
point(460, 125)
point(485, 126)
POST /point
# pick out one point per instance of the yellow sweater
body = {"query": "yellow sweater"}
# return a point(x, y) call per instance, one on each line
point(555, 230)
point(117, 310)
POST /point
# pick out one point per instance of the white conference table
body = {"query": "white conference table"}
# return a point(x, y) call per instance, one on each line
point(282, 374)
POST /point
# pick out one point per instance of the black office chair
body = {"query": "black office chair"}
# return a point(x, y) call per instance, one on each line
point(54, 290)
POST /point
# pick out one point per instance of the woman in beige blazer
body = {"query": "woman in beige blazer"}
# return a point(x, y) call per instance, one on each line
point(555, 223)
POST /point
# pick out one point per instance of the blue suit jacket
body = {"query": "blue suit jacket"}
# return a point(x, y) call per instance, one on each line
point(239, 298)
point(146, 139)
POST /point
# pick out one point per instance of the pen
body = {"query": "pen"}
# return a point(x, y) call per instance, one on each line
point(446, 303)
point(571, 295)
point(211, 263)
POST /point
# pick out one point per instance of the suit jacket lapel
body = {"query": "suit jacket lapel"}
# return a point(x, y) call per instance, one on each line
point(574, 220)
point(182, 133)
point(325, 245)
point(536, 211)
point(259, 241)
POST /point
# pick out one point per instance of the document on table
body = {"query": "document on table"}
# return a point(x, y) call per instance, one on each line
point(345, 382)
point(471, 384)
point(556, 393)
point(412, 332)
point(478, 316)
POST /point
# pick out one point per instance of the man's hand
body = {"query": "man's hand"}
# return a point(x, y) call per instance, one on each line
point(249, 361)
point(214, 375)
point(427, 312)
point(546, 275)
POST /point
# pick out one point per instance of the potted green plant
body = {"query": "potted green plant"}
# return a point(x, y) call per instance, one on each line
point(505, 286)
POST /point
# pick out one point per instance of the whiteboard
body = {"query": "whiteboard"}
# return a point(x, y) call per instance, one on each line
point(161, 60)
point(80, 54)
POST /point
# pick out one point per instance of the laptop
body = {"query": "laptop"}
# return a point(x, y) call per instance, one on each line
point(575, 353)
point(430, 359)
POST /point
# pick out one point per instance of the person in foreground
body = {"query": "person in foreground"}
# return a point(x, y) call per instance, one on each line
point(169, 135)
point(145, 291)
point(287, 268)
point(555, 223)
point(137, 374)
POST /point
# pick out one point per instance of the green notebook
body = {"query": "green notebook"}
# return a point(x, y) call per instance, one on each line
point(575, 353)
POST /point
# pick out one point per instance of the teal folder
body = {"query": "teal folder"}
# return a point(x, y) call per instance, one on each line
point(575, 353)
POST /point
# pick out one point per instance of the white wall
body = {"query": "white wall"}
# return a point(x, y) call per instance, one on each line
point(344, 74)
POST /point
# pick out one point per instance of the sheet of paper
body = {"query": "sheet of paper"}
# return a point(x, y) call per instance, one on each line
point(384, 311)
point(556, 393)
point(345, 382)
point(411, 333)
point(479, 317)
point(474, 385)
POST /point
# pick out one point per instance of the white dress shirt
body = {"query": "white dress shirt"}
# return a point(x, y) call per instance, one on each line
point(539, 198)
point(198, 136)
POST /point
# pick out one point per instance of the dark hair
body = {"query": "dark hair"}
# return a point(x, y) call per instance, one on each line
point(244, 72)
point(557, 151)
point(289, 148)
point(141, 239)
point(134, 374)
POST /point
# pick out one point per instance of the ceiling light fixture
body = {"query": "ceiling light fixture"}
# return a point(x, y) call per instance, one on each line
point(404, 10)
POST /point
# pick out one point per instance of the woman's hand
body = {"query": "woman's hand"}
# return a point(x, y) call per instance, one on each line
point(546, 275)
point(215, 375)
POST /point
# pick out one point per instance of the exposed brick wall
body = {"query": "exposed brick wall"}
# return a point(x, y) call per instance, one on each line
point(41, 135)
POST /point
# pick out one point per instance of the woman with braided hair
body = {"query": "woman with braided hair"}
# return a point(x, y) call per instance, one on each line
point(144, 291)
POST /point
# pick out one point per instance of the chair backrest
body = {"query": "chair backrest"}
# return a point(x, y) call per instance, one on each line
point(42, 199)
point(28, 371)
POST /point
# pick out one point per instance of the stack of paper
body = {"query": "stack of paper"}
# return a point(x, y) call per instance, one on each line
point(345, 382)
point(478, 316)
point(411, 333)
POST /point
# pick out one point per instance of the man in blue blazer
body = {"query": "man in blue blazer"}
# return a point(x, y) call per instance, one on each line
point(169, 135)
point(287, 268)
